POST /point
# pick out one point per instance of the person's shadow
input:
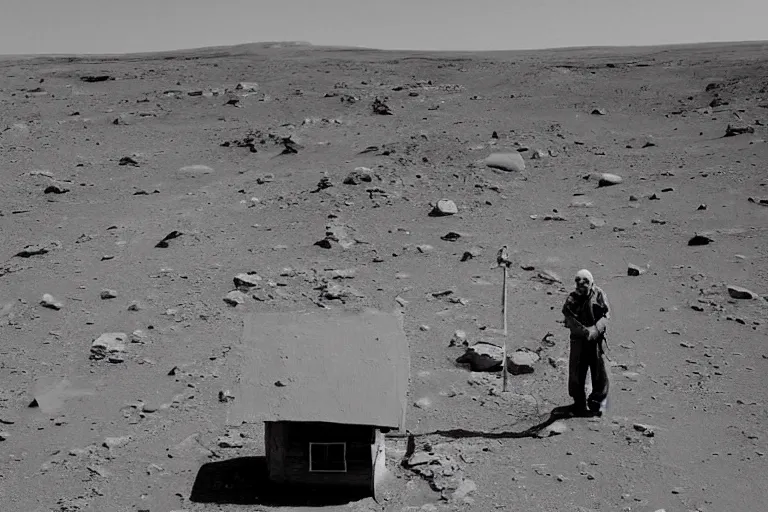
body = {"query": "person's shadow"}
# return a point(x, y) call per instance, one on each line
point(244, 481)
point(558, 413)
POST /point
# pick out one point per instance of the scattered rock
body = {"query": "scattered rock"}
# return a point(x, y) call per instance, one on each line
point(163, 244)
point(381, 108)
point(235, 298)
point(357, 176)
point(733, 130)
point(581, 202)
point(424, 248)
point(482, 357)
point(230, 440)
point(134, 306)
point(646, 430)
point(109, 345)
point(607, 179)
point(96, 78)
point(290, 146)
point(127, 160)
point(116, 442)
point(473, 252)
point(108, 294)
point(344, 273)
point(459, 338)
point(521, 362)
point(548, 277)
point(247, 280)
point(596, 223)
point(49, 302)
point(324, 183)
point(443, 208)
point(737, 292)
point(137, 336)
point(510, 162)
point(699, 240)
point(634, 270)
point(55, 189)
point(451, 236)
point(7, 420)
point(247, 87)
point(717, 102)
point(418, 459)
point(423, 403)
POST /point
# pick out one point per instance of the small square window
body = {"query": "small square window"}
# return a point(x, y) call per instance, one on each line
point(328, 457)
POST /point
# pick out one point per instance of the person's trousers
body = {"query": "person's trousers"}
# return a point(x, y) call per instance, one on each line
point(587, 355)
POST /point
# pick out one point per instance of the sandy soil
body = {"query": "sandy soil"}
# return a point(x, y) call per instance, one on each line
point(688, 361)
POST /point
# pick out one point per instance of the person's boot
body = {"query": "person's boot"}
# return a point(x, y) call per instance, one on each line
point(595, 407)
point(578, 410)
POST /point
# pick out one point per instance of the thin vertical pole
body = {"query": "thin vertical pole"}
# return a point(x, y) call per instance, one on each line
point(504, 349)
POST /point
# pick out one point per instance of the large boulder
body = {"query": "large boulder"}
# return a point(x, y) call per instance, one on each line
point(247, 280)
point(737, 292)
point(443, 208)
point(482, 357)
point(110, 346)
point(607, 179)
point(521, 362)
point(486, 357)
point(510, 162)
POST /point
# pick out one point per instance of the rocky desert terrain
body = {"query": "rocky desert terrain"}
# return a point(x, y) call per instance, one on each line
point(149, 201)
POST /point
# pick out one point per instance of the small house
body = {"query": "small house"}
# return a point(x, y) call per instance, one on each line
point(327, 386)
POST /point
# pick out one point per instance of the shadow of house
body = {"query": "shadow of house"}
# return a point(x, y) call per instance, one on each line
point(245, 481)
point(327, 386)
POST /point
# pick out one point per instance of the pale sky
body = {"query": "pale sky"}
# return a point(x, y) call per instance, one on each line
point(121, 26)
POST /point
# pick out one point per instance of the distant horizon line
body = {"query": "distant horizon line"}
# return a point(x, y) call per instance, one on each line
point(299, 44)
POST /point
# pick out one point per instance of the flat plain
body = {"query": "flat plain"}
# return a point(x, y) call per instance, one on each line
point(317, 176)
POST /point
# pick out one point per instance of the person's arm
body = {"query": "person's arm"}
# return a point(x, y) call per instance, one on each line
point(602, 322)
point(571, 322)
point(567, 307)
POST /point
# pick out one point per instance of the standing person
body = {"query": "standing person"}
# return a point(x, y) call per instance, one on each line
point(586, 314)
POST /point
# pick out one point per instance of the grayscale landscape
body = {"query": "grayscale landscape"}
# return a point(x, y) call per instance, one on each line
point(136, 188)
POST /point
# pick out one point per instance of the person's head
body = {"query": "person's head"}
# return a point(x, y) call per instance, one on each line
point(584, 282)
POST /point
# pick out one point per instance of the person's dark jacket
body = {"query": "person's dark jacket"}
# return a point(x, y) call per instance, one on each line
point(592, 310)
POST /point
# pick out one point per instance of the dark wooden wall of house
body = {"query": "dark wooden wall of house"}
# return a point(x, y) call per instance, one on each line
point(287, 449)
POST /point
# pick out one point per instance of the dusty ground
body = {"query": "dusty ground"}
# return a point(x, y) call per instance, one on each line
point(695, 376)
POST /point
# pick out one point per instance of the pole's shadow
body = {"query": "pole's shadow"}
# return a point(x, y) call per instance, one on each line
point(244, 481)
